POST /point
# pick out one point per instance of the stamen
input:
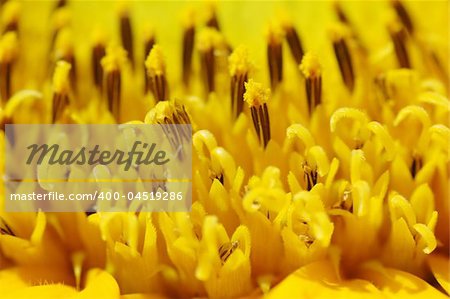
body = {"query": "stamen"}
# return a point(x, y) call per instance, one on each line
point(156, 72)
point(8, 54)
point(10, 16)
point(98, 52)
point(188, 46)
point(343, 56)
point(5, 229)
point(240, 66)
point(112, 63)
point(416, 165)
point(256, 97)
point(403, 15)
point(295, 44)
point(208, 40)
point(149, 37)
point(61, 89)
point(398, 36)
point(220, 178)
point(380, 83)
point(311, 70)
point(306, 239)
point(346, 201)
point(171, 113)
point(126, 33)
point(227, 249)
point(310, 175)
point(275, 54)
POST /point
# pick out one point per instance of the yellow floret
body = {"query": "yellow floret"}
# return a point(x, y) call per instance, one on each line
point(155, 62)
point(239, 61)
point(339, 31)
point(208, 39)
point(114, 59)
point(61, 77)
point(310, 65)
point(8, 47)
point(255, 94)
point(275, 33)
point(163, 111)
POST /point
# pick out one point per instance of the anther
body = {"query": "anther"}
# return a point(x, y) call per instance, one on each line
point(239, 66)
point(275, 54)
point(256, 97)
point(380, 83)
point(310, 176)
point(156, 72)
point(126, 34)
point(171, 113)
point(61, 88)
point(306, 239)
point(226, 249)
point(208, 41)
point(343, 57)
point(416, 165)
point(112, 63)
point(98, 52)
point(311, 70)
point(188, 47)
point(294, 42)
point(149, 42)
point(399, 36)
point(5, 229)
point(403, 15)
point(8, 54)
point(218, 177)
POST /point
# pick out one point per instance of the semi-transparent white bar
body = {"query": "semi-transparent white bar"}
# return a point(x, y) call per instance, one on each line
point(73, 168)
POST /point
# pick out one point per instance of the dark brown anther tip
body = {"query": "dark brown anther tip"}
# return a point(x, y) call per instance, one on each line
point(295, 44)
point(275, 61)
point(148, 45)
point(403, 15)
point(312, 73)
point(188, 49)
point(126, 36)
point(399, 38)
point(113, 83)
point(344, 60)
point(98, 52)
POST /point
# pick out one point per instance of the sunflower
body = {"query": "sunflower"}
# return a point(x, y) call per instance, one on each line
point(320, 147)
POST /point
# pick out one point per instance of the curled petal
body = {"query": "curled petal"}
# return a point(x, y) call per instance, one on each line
point(428, 237)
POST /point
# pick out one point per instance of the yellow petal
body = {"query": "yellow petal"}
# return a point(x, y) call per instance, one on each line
point(100, 284)
point(318, 280)
point(440, 266)
point(398, 284)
